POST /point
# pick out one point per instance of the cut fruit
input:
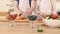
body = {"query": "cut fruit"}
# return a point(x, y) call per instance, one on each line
point(40, 30)
point(9, 17)
point(54, 16)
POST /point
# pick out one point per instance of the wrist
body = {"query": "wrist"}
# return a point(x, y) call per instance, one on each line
point(28, 12)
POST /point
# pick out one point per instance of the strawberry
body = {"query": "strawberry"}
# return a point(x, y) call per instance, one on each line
point(54, 16)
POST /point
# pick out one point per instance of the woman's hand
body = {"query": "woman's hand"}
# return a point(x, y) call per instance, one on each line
point(24, 15)
point(42, 14)
point(19, 14)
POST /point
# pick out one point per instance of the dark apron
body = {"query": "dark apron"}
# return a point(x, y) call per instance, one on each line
point(29, 1)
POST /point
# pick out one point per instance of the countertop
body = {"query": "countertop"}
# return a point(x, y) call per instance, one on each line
point(23, 28)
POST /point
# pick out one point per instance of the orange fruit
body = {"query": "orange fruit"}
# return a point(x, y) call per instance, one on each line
point(9, 17)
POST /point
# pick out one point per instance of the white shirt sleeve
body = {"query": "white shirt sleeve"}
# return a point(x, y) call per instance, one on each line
point(45, 6)
point(54, 5)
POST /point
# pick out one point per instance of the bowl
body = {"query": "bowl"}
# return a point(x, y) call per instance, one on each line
point(51, 22)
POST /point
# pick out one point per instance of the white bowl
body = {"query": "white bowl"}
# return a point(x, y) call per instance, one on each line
point(51, 22)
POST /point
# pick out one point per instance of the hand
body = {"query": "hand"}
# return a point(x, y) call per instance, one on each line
point(19, 14)
point(28, 12)
point(42, 14)
point(24, 15)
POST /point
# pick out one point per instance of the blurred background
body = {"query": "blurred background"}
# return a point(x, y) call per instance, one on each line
point(5, 8)
point(3, 5)
point(6, 5)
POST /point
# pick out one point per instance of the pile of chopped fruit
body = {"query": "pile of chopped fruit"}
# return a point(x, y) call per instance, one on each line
point(12, 17)
point(52, 16)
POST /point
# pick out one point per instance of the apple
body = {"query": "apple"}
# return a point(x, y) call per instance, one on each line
point(54, 16)
point(14, 16)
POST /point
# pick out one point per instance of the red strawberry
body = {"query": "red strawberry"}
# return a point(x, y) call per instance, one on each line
point(54, 16)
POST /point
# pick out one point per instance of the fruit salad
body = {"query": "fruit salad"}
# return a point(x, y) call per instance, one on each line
point(52, 16)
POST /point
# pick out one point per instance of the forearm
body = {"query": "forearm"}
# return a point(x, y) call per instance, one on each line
point(30, 10)
point(16, 8)
point(33, 5)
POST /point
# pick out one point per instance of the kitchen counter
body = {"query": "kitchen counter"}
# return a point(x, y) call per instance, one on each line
point(22, 28)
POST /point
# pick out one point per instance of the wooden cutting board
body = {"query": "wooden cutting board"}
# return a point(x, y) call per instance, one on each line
point(3, 13)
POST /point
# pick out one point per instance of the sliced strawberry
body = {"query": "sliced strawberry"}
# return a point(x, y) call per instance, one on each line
point(54, 16)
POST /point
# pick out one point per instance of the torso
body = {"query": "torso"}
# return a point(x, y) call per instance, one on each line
point(44, 6)
point(24, 5)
